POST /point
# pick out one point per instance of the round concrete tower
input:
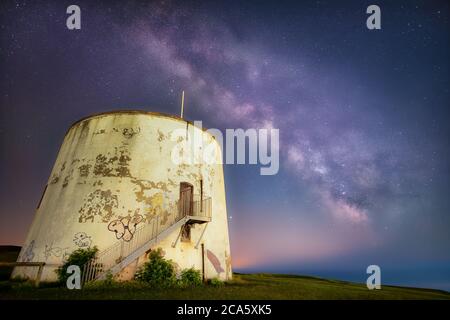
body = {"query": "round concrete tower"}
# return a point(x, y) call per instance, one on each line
point(115, 176)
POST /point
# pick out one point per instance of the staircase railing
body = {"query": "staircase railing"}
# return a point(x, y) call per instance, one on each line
point(113, 255)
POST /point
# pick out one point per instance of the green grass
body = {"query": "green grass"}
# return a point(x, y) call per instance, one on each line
point(243, 286)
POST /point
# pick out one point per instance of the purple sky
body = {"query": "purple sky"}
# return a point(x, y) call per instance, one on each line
point(363, 118)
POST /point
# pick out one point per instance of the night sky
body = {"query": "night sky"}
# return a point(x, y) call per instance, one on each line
point(363, 118)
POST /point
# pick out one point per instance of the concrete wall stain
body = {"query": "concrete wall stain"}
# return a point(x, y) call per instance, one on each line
point(98, 205)
point(67, 178)
point(227, 264)
point(130, 132)
point(54, 179)
point(100, 131)
point(84, 170)
point(113, 166)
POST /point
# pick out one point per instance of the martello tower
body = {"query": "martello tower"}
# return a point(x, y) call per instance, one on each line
point(115, 185)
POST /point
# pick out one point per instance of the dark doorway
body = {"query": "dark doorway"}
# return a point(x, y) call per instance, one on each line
point(186, 199)
point(186, 233)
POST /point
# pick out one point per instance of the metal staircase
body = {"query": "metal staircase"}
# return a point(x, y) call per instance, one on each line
point(118, 256)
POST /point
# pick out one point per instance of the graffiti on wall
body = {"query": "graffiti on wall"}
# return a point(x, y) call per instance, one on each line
point(28, 254)
point(82, 240)
point(153, 198)
point(214, 261)
point(124, 228)
point(58, 252)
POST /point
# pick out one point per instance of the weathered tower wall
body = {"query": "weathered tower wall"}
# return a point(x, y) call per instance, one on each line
point(118, 167)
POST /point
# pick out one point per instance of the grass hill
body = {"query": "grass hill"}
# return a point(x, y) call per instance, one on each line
point(244, 286)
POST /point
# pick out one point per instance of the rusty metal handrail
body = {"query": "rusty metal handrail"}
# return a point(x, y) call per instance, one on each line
point(22, 264)
point(27, 264)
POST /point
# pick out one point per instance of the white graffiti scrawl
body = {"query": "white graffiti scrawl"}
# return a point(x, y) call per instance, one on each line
point(82, 240)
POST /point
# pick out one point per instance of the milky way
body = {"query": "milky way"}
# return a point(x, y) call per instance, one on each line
point(363, 116)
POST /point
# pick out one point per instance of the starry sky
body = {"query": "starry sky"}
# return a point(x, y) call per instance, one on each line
point(363, 118)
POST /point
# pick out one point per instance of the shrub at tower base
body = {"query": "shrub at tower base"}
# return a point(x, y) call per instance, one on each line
point(158, 272)
point(78, 257)
point(161, 273)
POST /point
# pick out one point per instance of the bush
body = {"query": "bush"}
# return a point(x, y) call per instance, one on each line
point(78, 257)
point(108, 282)
point(215, 282)
point(157, 272)
point(109, 279)
point(190, 278)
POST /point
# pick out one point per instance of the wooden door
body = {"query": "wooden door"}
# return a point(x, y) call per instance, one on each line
point(186, 198)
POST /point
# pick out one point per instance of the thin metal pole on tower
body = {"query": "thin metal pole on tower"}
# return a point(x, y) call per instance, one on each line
point(182, 104)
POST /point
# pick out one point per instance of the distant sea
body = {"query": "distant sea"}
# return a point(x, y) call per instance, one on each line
point(437, 277)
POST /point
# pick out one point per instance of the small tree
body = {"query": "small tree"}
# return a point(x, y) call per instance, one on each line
point(191, 278)
point(158, 272)
point(78, 257)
